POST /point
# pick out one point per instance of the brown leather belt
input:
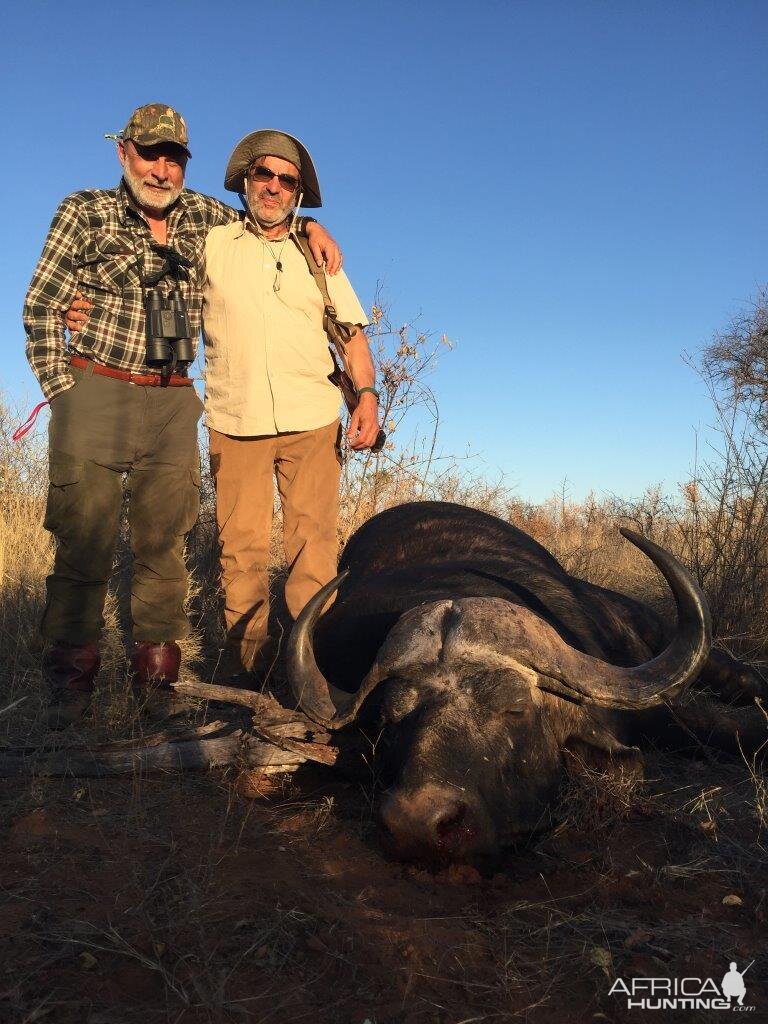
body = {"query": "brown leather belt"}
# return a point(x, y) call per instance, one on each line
point(150, 380)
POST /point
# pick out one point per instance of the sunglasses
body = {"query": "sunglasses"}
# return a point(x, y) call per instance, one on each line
point(263, 174)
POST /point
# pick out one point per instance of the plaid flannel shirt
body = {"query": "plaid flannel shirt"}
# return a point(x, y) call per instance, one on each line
point(99, 244)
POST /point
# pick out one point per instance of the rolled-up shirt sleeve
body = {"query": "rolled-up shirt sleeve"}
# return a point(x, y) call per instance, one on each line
point(50, 293)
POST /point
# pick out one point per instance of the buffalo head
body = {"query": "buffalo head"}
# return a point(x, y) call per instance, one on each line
point(478, 698)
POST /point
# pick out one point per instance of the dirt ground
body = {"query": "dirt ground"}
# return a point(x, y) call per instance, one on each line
point(178, 899)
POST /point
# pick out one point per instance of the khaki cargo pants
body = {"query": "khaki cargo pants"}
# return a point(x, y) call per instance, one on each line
point(99, 430)
point(306, 465)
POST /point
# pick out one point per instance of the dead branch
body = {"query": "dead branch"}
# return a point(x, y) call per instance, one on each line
point(278, 738)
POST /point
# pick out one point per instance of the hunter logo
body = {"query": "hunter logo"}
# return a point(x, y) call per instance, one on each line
point(685, 993)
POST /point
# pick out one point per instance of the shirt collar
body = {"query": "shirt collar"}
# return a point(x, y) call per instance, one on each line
point(247, 224)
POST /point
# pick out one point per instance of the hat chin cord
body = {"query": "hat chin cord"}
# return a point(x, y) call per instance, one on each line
point(277, 256)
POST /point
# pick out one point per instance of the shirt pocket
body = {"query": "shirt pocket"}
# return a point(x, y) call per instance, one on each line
point(105, 264)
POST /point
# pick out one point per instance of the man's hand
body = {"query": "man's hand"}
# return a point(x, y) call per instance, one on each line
point(77, 315)
point(323, 247)
point(363, 429)
point(363, 426)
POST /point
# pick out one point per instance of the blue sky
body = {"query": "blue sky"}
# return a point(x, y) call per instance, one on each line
point(572, 191)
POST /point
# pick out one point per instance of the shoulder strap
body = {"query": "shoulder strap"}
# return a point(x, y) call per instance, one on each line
point(317, 272)
point(338, 331)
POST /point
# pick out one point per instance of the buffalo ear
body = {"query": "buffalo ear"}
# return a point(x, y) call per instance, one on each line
point(592, 745)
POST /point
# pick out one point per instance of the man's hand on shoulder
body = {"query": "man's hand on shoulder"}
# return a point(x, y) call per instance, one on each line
point(324, 248)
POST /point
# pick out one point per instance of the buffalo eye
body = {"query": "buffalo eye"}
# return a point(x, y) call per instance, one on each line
point(501, 692)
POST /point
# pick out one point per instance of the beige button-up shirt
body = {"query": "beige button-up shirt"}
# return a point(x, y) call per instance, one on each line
point(266, 353)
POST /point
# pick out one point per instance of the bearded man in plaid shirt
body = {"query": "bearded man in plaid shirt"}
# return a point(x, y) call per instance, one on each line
point(112, 414)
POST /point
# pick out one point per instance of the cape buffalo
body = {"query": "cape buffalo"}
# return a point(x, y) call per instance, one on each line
point(483, 661)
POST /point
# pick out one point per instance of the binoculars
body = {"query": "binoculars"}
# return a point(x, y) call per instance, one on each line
point(167, 321)
point(168, 339)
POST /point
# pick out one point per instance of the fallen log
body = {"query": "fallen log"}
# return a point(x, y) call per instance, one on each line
point(277, 738)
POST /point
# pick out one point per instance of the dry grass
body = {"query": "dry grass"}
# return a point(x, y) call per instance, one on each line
point(598, 798)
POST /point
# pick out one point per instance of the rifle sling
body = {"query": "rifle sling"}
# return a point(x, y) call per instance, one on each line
point(338, 333)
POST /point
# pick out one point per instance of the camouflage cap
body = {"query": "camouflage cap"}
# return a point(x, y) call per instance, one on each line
point(157, 122)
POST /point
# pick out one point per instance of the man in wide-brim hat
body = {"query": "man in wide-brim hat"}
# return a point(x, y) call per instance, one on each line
point(270, 407)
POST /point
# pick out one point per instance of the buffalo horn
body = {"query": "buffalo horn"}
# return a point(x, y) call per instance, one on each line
point(663, 678)
point(316, 697)
point(319, 699)
point(562, 670)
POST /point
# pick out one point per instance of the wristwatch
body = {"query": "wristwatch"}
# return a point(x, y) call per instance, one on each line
point(301, 225)
point(373, 391)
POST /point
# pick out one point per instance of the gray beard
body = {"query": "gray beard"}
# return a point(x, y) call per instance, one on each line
point(264, 222)
point(267, 220)
point(145, 196)
point(273, 221)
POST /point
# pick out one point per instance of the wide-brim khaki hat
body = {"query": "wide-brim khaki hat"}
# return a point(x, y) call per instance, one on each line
point(271, 142)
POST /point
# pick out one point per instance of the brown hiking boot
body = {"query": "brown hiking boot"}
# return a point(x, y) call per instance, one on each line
point(155, 665)
point(154, 668)
point(70, 671)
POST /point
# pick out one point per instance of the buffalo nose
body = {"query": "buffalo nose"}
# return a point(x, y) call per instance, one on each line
point(431, 821)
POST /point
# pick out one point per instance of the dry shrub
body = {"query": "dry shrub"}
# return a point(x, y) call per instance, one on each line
point(724, 537)
point(410, 463)
point(25, 556)
point(725, 528)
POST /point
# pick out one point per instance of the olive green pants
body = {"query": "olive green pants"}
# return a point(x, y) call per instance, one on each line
point(307, 467)
point(99, 430)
